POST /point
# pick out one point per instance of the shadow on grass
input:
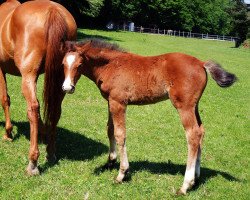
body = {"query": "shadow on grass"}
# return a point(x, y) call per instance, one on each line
point(168, 168)
point(69, 145)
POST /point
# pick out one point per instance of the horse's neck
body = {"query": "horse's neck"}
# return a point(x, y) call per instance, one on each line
point(97, 62)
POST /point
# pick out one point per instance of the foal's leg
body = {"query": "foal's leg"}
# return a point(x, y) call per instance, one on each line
point(112, 143)
point(194, 136)
point(118, 112)
point(197, 166)
point(5, 100)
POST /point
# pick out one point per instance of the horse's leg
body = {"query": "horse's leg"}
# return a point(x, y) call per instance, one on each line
point(198, 161)
point(118, 112)
point(5, 100)
point(193, 135)
point(51, 147)
point(29, 92)
point(42, 130)
point(112, 151)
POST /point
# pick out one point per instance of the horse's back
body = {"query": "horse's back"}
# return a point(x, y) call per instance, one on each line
point(149, 79)
point(34, 14)
point(23, 33)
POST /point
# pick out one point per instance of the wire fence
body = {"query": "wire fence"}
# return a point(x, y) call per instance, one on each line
point(176, 33)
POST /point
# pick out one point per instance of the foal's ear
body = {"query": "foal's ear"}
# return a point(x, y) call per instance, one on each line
point(64, 46)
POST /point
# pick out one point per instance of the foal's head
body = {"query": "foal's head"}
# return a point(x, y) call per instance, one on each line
point(71, 62)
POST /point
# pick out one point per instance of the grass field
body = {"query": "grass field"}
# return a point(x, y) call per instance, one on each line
point(156, 141)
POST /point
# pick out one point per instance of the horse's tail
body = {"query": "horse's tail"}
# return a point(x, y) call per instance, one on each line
point(221, 76)
point(55, 33)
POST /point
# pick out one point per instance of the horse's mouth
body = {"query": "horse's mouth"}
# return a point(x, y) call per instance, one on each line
point(69, 91)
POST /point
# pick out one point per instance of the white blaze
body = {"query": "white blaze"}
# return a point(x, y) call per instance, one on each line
point(67, 85)
point(70, 59)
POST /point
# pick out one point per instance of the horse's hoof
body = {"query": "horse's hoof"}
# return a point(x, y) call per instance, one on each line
point(51, 159)
point(7, 137)
point(118, 180)
point(110, 164)
point(33, 172)
point(122, 177)
point(180, 192)
point(32, 169)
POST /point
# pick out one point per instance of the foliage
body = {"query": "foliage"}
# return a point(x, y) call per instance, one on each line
point(155, 138)
point(190, 15)
point(240, 23)
point(222, 17)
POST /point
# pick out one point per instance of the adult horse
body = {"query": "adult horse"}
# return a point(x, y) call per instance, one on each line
point(30, 39)
point(125, 78)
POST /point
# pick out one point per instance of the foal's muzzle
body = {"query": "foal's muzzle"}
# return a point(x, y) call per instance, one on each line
point(70, 89)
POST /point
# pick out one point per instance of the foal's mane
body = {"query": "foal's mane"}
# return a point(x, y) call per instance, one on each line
point(95, 43)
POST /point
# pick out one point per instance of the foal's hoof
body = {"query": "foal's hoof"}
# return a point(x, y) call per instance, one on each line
point(180, 192)
point(7, 137)
point(110, 164)
point(122, 177)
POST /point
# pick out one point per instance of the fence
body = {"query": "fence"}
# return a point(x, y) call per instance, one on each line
point(178, 33)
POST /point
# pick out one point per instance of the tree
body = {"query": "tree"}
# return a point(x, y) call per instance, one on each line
point(240, 23)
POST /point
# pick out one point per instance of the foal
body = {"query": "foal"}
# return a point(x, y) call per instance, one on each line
point(125, 78)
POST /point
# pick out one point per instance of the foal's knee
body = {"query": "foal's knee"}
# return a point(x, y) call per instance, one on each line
point(120, 137)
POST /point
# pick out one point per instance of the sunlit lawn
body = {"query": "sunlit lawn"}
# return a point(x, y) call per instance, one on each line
point(156, 141)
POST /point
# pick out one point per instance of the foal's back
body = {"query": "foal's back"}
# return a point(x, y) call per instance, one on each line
point(142, 80)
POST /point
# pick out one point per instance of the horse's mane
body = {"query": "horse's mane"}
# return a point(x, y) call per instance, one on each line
point(95, 43)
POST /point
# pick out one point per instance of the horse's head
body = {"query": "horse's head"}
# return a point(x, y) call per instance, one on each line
point(71, 62)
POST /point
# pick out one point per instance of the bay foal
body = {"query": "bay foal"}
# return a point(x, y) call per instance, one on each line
point(125, 78)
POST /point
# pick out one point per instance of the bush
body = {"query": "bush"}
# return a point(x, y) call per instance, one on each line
point(246, 44)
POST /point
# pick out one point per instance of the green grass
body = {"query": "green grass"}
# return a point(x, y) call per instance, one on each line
point(156, 141)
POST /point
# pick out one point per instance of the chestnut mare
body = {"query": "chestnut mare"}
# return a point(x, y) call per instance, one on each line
point(30, 39)
point(125, 78)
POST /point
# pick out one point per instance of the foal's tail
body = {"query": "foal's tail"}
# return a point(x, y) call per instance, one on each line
point(221, 76)
point(55, 33)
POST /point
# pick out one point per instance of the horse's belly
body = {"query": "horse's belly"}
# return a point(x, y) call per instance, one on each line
point(145, 96)
point(10, 68)
point(148, 100)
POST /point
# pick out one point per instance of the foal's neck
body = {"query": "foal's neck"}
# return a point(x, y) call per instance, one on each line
point(96, 61)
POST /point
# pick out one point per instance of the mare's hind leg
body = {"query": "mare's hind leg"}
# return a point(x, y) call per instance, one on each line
point(5, 100)
point(118, 112)
point(194, 137)
point(112, 143)
point(29, 92)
